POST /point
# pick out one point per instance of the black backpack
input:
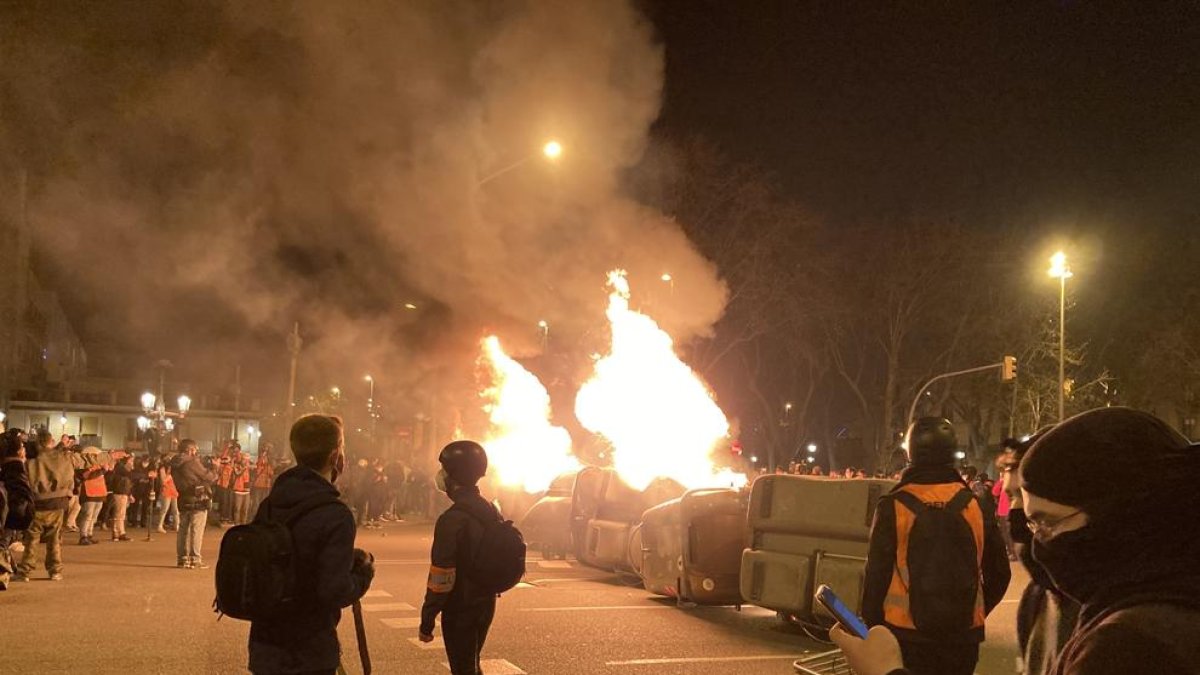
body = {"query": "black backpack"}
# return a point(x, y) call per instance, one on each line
point(497, 562)
point(943, 564)
point(256, 569)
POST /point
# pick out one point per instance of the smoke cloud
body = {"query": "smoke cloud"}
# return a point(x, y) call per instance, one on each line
point(204, 174)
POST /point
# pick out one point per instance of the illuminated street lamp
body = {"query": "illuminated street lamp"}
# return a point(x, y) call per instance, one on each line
point(156, 416)
point(371, 403)
point(545, 328)
point(1059, 270)
point(670, 280)
point(551, 151)
point(812, 448)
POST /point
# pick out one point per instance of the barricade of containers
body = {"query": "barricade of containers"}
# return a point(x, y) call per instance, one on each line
point(690, 548)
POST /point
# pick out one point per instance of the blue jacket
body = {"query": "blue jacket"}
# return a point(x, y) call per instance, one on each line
point(323, 543)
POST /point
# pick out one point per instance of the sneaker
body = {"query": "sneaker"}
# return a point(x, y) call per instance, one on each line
point(199, 565)
point(123, 537)
point(57, 576)
point(18, 577)
point(184, 565)
point(84, 541)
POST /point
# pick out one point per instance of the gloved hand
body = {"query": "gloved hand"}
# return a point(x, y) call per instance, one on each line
point(364, 564)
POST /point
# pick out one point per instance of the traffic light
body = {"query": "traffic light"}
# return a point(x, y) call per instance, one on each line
point(1008, 372)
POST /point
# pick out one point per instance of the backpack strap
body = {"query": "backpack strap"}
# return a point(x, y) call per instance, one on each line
point(910, 500)
point(961, 501)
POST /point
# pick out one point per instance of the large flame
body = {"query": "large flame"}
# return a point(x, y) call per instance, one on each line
point(659, 416)
point(524, 449)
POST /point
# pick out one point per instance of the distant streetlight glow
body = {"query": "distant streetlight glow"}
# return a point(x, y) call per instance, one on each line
point(1059, 270)
point(543, 325)
point(552, 149)
point(185, 403)
point(812, 448)
point(143, 422)
point(336, 391)
point(960, 455)
point(409, 305)
point(666, 277)
point(368, 378)
point(148, 400)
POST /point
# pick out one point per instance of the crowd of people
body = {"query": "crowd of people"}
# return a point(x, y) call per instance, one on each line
point(54, 489)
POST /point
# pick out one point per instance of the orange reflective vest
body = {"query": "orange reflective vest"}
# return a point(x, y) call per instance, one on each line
point(896, 607)
point(94, 485)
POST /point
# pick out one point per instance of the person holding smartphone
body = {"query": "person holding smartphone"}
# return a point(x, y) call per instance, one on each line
point(1111, 503)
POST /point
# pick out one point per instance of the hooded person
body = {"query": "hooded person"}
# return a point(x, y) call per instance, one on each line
point(935, 596)
point(1111, 502)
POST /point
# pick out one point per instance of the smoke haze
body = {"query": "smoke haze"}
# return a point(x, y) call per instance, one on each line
point(204, 174)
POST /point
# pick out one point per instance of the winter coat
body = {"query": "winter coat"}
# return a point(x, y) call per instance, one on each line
point(194, 483)
point(16, 512)
point(52, 476)
point(122, 480)
point(323, 544)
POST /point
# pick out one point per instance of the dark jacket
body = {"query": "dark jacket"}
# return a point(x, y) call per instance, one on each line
point(16, 513)
point(457, 532)
point(191, 478)
point(122, 480)
point(881, 557)
point(323, 544)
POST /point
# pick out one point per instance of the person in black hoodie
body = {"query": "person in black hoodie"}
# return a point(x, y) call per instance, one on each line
point(1112, 505)
point(194, 482)
point(331, 573)
point(466, 611)
point(16, 500)
point(943, 640)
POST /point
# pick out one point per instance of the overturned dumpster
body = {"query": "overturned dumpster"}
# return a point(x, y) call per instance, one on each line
point(806, 531)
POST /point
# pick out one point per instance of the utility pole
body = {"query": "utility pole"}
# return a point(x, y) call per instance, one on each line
point(293, 344)
point(237, 402)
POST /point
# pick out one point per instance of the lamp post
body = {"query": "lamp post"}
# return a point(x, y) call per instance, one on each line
point(371, 404)
point(551, 151)
point(1060, 271)
point(156, 416)
point(670, 281)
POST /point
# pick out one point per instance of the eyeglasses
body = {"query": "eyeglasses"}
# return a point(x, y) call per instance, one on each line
point(1044, 530)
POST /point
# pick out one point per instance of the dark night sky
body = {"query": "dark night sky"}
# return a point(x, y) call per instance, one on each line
point(998, 113)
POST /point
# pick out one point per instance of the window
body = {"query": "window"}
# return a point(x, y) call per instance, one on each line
point(89, 426)
point(38, 422)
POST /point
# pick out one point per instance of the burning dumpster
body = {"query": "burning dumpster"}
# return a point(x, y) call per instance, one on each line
point(806, 531)
point(547, 524)
point(604, 511)
point(691, 547)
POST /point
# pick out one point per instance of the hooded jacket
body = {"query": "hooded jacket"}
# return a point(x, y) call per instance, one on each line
point(16, 513)
point(189, 474)
point(327, 580)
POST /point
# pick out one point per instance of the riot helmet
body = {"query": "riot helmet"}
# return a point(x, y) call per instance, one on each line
point(931, 441)
point(464, 462)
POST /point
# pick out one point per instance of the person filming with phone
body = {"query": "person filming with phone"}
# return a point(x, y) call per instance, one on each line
point(1111, 502)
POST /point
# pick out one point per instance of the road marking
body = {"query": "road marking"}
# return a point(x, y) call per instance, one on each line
point(539, 582)
point(495, 667)
point(407, 622)
point(554, 564)
point(389, 607)
point(436, 644)
point(522, 585)
point(594, 608)
point(1010, 602)
point(377, 594)
point(702, 659)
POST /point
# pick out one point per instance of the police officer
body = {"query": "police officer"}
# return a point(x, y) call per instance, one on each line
point(937, 564)
point(466, 611)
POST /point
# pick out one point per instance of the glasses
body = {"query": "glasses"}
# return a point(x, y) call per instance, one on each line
point(1044, 530)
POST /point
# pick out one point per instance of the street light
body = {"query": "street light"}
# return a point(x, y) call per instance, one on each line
point(812, 448)
point(1060, 271)
point(371, 404)
point(551, 151)
point(670, 280)
point(148, 400)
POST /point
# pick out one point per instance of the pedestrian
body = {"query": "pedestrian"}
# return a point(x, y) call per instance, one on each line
point(331, 573)
point(169, 494)
point(93, 492)
point(1111, 503)
point(73, 507)
point(466, 608)
point(139, 497)
point(16, 501)
point(264, 476)
point(52, 475)
point(239, 486)
point(122, 495)
point(194, 482)
point(224, 487)
point(936, 565)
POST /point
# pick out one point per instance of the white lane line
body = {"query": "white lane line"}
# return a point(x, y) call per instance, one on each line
point(594, 608)
point(703, 659)
point(554, 564)
point(377, 594)
point(539, 582)
point(522, 585)
point(1010, 602)
point(495, 667)
point(407, 622)
point(389, 607)
point(436, 644)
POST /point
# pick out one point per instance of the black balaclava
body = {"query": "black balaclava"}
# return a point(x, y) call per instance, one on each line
point(1134, 477)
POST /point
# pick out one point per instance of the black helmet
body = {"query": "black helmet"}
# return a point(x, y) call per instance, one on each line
point(464, 461)
point(931, 440)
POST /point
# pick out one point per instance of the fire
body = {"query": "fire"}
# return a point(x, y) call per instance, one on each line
point(659, 416)
point(524, 449)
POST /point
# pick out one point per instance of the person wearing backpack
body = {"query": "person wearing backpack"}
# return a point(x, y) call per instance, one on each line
point(297, 632)
point(194, 483)
point(476, 555)
point(936, 564)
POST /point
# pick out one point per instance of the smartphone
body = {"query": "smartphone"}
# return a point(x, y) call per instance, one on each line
point(840, 611)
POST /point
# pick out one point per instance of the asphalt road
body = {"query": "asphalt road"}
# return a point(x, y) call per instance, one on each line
point(126, 608)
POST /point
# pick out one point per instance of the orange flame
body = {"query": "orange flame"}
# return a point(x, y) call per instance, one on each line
point(524, 449)
point(658, 414)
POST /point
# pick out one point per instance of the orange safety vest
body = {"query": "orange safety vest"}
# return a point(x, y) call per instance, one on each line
point(264, 475)
point(896, 610)
point(95, 486)
point(225, 475)
point(241, 481)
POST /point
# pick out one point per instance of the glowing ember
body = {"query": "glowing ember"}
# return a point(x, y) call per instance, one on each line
point(659, 416)
point(524, 449)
